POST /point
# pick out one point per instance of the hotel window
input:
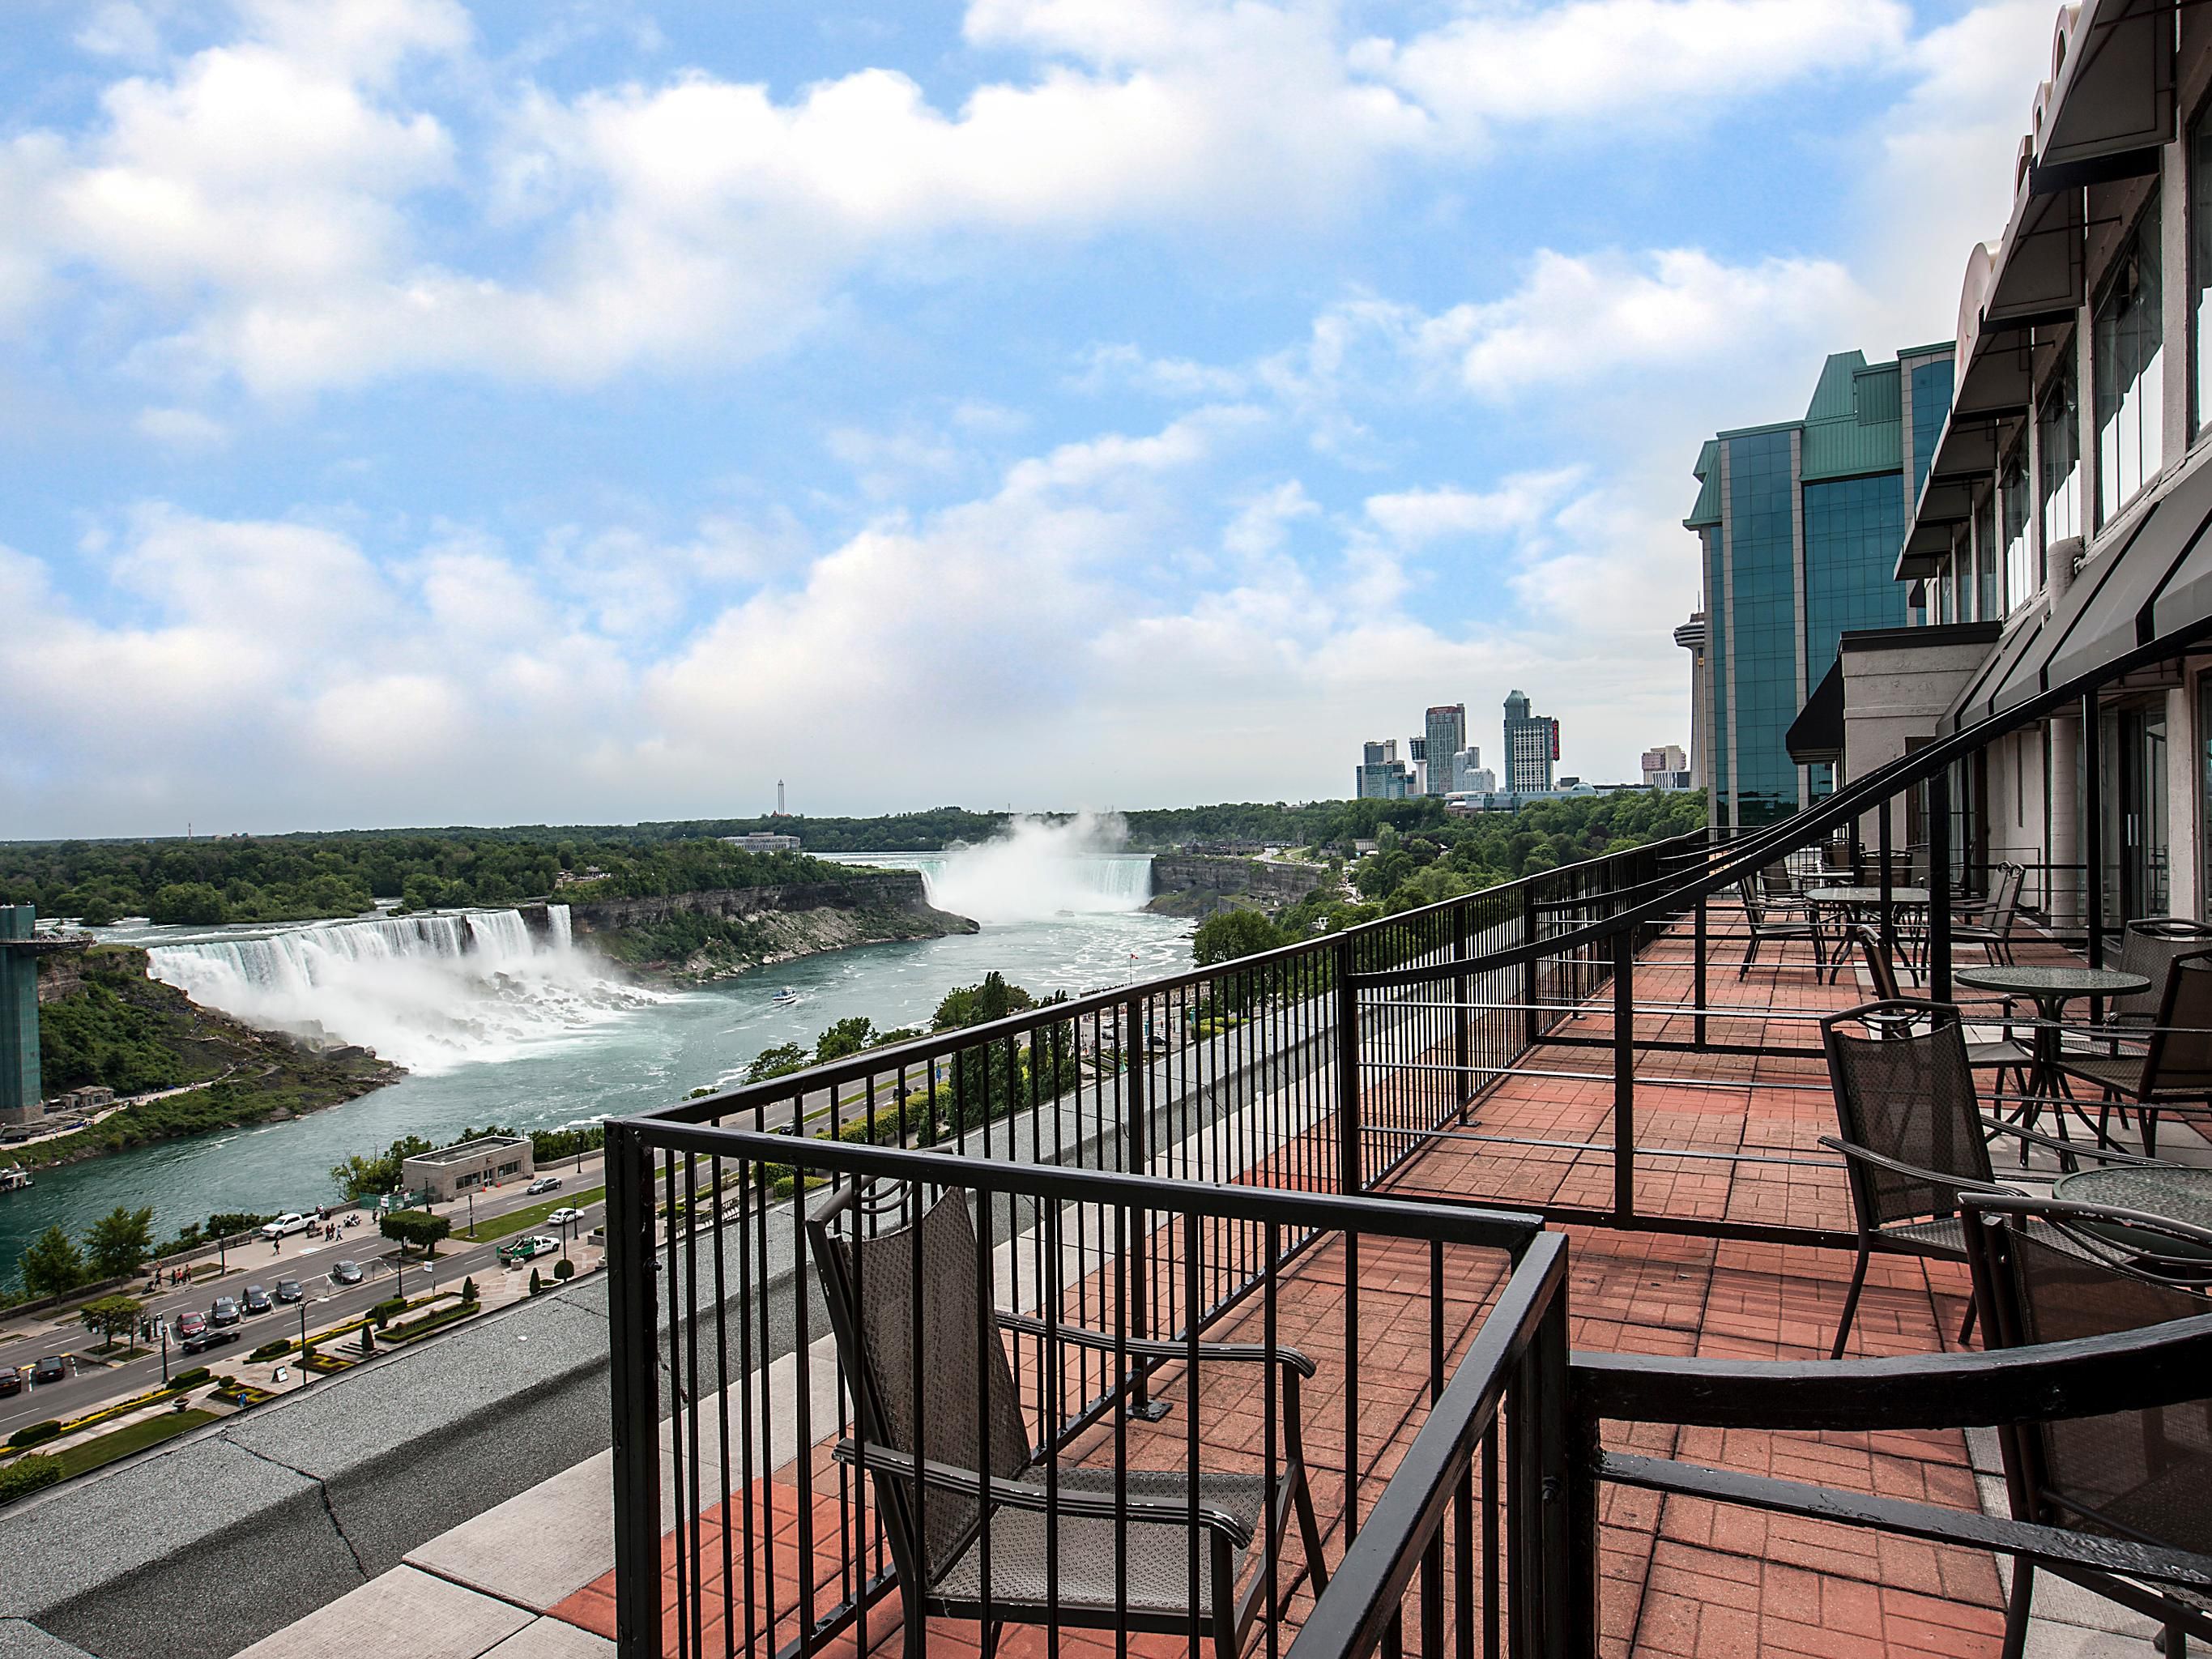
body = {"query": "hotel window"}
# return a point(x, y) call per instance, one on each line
point(2200, 264)
point(2058, 436)
point(2019, 573)
point(1985, 560)
point(2127, 354)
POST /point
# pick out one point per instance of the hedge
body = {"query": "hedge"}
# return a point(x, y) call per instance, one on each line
point(27, 1475)
point(31, 1433)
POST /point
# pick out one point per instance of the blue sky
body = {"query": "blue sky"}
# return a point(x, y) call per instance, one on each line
point(414, 412)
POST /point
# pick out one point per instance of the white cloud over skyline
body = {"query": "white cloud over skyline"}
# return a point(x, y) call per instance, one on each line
point(1185, 528)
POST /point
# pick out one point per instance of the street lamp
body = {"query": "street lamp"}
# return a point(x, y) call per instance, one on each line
point(164, 1325)
point(304, 1374)
point(473, 1212)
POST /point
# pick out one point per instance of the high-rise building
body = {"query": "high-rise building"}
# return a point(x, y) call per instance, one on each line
point(1532, 747)
point(1446, 736)
point(1800, 523)
point(1666, 767)
point(1469, 773)
point(1381, 776)
point(1691, 636)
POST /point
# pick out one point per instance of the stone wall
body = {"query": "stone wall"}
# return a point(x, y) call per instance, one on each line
point(1185, 885)
point(888, 889)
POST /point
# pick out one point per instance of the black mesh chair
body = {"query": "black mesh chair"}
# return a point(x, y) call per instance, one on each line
point(2174, 1069)
point(2049, 1272)
point(1764, 925)
point(2149, 946)
point(1991, 927)
point(1914, 1140)
point(968, 1503)
point(1998, 1054)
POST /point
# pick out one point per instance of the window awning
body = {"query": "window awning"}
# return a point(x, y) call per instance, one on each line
point(1816, 736)
point(1924, 549)
point(2040, 264)
point(2112, 98)
point(2156, 586)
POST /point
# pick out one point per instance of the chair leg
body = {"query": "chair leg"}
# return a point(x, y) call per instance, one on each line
point(2017, 1606)
point(1750, 956)
point(2149, 1131)
point(917, 1629)
point(1310, 1530)
point(1966, 1329)
point(1850, 1303)
point(992, 1632)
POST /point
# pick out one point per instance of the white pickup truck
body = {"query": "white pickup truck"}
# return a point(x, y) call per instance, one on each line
point(284, 1226)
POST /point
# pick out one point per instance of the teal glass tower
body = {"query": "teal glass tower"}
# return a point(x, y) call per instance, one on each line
point(1798, 525)
point(18, 1016)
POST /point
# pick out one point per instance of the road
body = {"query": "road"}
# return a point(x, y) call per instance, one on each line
point(260, 1263)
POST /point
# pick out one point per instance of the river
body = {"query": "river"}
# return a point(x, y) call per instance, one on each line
point(496, 1027)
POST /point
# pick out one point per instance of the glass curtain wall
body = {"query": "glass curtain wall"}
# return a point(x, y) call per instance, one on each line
point(2136, 846)
point(2021, 577)
point(2058, 438)
point(1985, 560)
point(2200, 273)
point(2128, 351)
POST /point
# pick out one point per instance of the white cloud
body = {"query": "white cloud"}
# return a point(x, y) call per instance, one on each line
point(181, 429)
point(1415, 517)
point(1574, 318)
point(1511, 62)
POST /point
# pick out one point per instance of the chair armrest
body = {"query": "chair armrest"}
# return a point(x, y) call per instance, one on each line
point(1933, 1177)
point(1082, 1336)
point(2075, 1148)
point(1020, 1495)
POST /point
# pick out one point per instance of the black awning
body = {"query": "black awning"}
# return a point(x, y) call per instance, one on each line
point(2038, 278)
point(1816, 736)
point(2114, 92)
point(2156, 585)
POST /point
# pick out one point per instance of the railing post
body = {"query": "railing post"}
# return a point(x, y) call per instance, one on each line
point(1888, 883)
point(1698, 977)
point(2091, 796)
point(1623, 1075)
point(1463, 1019)
point(1528, 968)
point(1137, 1135)
point(636, 1386)
point(1349, 1180)
point(1939, 885)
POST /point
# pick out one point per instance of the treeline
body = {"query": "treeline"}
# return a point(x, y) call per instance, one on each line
point(303, 878)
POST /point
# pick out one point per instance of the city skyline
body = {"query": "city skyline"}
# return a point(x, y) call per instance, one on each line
point(427, 414)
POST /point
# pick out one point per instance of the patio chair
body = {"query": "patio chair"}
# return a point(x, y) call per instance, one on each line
point(1999, 1055)
point(1914, 1139)
point(959, 1483)
point(2048, 1272)
point(1763, 926)
point(2175, 1066)
point(1779, 889)
point(2149, 946)
point(1991, 928)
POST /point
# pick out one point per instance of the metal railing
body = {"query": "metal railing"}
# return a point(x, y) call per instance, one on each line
point(1077, 1319)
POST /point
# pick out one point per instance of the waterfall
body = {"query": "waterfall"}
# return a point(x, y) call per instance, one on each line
point(1036, 869)
point(430, 992)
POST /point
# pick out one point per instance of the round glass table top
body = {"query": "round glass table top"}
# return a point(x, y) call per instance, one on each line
point(1866, 895)
point(2163, 1190)
point(2033, 981)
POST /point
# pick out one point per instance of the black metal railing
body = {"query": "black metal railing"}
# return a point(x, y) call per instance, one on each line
point(785, 1320)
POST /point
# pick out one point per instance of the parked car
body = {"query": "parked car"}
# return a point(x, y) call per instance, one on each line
point(544, 1184)
point(189, 1325)
point(565, 1214)
point(522, 1249)
point(346, 1273)
point(284, 1226)
point(257, 1300)
point(204, 1340)
point(224, 1311)
point(11, 1382)
point(51, 1369)
point(290, 1290)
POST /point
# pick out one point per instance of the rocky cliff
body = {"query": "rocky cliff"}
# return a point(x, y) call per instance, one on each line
point(1187, 885)
point(715, 933)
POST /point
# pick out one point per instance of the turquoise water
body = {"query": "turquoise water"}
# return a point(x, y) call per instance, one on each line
point(591, 1056)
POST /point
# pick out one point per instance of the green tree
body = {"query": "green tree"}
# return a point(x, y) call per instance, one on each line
point(96, 912)
point(115, 1244)
point(190, 904)
point(979, 1004)
point(364, 1177)
point(113, 1317)
point(415, 1228)
point(784, 1058)
point(1232, 934)
point(52, 1265)
point(848, 1036)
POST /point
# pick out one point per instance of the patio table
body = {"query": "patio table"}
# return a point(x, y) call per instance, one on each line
point(2171, 1191)
point(2051, 989)
point(1857, 902)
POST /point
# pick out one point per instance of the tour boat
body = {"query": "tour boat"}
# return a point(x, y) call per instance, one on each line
point(12, 1180)
point(784, 999)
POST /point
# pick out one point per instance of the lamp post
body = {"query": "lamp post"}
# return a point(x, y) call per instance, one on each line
point(472, 1212)
point(164, 1324)
point(305, 1374)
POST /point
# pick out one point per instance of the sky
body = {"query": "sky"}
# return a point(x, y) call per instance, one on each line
point(419, 412)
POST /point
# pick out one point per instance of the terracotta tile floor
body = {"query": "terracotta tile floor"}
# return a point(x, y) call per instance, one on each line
point(1681, 1577)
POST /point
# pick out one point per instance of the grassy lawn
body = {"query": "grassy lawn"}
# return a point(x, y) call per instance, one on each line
point(106, 1448)
point(529, 1216)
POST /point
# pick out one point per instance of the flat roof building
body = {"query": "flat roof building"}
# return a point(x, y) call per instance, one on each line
point(1798, 524)
point(451, 1172)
